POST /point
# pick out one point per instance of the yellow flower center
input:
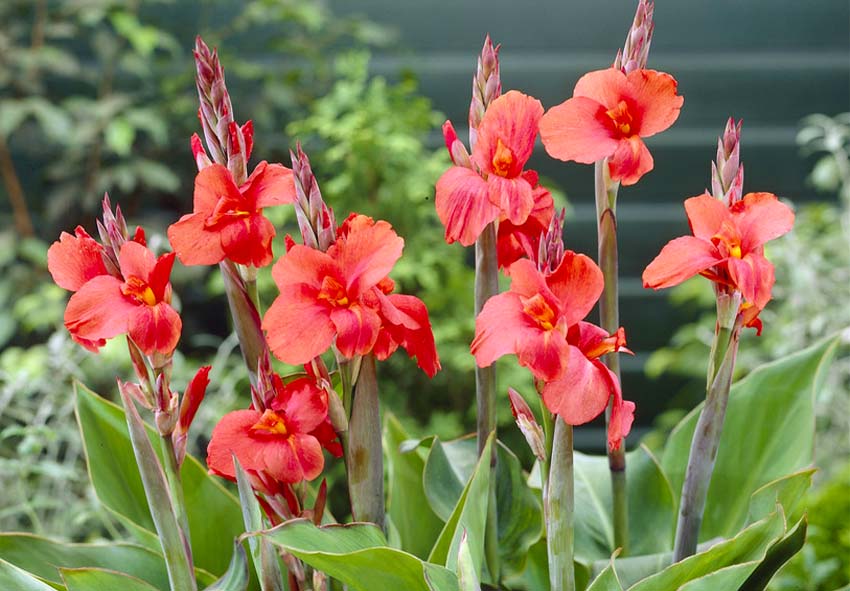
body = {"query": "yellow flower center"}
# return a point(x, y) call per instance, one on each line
point(735, 251)
point(333, 292)
point(621, 118)
point(503, 159)
point(271, 422)
point(538, 310)
point(139, 290)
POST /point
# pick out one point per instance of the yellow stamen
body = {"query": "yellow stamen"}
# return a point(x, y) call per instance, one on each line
point(271, 422)
point(539, 311)
point(735, 251)
point(503, 159)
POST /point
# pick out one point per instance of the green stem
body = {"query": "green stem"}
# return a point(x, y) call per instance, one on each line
point(705, 441)
point(486, 286)
point(175, 488)
point(558, 502)
point(609, 319)
point(246, 318)
point(364, 453)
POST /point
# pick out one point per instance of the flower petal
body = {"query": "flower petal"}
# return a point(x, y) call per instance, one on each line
point(298, 327)
point(761, 217)
point(463, 205)
point(98, 310)
point(680, 259)
point(543, 352)
point(211, 184)
point(232, 436)
point(366, 255)
point(511, 119)
point(268, 185)
point(577, 283)
point(302, 264)
point(656, 103)
point(416, 337)
point(73, 260)
point(622, 416)
point(357, 329)
point(136, 261)
point(161, 275)
point(498, 327)
point(294, 458)
point(754, 277)
point(155, 328)
point(248, 240)
point(513, 196)
point(705, 215)
point(306, 406)
point(193, 242)
point(578, 130)
point(630, 161)
point(582, 392)
point(606, 87)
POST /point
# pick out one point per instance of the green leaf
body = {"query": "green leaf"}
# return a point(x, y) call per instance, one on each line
point(778, 554)
point(788, 491)
point(447, 470)
point(95, 579)
point(519, 510)
point(44, 557)
point(119, 136)
point(750, 547)
point(606, 580)
point(467, 578)
point(357, 556)
point(266, 563)
point(116, 481)
point(12, 577)
point(769, 429)
point(469, 514)
point(407, 506)
point(236, 578)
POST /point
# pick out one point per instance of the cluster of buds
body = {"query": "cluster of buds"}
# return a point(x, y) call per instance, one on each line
point(727, 172)
point(486, 87)
point(315, 218)
point(229, 143)
point(550, 252)
point(635, 50)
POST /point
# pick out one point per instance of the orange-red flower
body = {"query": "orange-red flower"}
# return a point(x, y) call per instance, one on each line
point(540, 321)
point(323, 294)
point(494, 182)
point(280, 442)
point(227, 221)
point(608, 115)
point(727, 247)
point(523, 241)
point(137, 303)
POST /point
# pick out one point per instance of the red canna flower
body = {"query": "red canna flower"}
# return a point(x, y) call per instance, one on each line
point(138, 303)
point(405, 323)
point(494, 182)
point(608, 115)
point(532, 319)
point(228, 221)
point(523, 241)
point(278, 443)
point(74, 260)
point(582, 392)
point(323, 295)
point(727, 247)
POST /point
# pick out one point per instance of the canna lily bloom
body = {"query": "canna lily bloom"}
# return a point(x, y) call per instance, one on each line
point(532, 319)
point(516, 242)
point(138, 303)
point(608, 115)
point(323, 295)
point(228, 221)
point(278, 443)
point(494, 182)
point(74, 260)
point(727, 247)
point(405, 323)
point(582, 392)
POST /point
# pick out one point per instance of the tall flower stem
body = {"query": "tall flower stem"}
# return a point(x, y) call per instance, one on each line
point(364, 452)
point(246, 318)
point(709, 427)
point(558, 505)
point(486, 286)
point(175, 487)
point(609, 319)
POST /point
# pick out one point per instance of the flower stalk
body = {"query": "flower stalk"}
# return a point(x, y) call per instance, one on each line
point(558, 506)
point(609, 316)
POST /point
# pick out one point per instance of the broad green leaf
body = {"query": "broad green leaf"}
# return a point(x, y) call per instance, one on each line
point(447, 470)
point(777, 555)
point(469, 514)
point(407, 506)
point(749, 546)
point(265, 559)
point(788, 491)
point(236, 578)
point(44, 557)
point(12, 577)
point(768, 432)
point(116, 481)
point(606, 580)
point(357, 556)
point(96, 579)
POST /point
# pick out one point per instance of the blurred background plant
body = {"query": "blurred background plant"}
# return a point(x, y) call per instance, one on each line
point(810, 301)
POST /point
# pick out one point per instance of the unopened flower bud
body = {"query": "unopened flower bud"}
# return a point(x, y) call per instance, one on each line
point(527, 424)
point(727, 172)
point(635, 52)
point(486, 87)
point(192, 398)
point(457, 151)
point(135, 392)
point(315, 218)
